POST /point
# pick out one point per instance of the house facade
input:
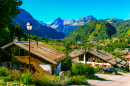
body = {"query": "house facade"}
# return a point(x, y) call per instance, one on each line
point(43, 57)
point(97, 58)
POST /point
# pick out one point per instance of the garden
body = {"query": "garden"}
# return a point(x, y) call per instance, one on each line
point(15, 77)
point(77, 74)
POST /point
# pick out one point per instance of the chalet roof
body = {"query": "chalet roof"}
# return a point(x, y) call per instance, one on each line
point(101, 54)
point(44, 51)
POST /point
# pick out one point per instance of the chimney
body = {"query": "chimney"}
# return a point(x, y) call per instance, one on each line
point(81, 47)
point(15, 39)
point(115, 58)
point(87, 49)
point(127, 50)
point(37, 43)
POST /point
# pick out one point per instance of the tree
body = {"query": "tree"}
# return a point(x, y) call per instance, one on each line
point(8, 11)
point(46, 40)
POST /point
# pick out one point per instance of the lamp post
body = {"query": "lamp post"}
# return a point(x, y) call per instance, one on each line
point(29, 27)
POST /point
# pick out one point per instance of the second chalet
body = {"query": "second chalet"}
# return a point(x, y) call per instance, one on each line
point(97, 58)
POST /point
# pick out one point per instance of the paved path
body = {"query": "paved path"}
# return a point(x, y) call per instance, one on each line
point(112, 80)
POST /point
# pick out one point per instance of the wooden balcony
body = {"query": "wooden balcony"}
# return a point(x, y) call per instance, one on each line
point(25, 59)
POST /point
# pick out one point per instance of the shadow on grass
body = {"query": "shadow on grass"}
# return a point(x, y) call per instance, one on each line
point(120, 74)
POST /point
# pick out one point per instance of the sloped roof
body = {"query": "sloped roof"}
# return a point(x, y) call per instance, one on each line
point(44, 51)
point(101, 54)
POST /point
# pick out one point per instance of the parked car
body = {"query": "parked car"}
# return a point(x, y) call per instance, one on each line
point(109, 70)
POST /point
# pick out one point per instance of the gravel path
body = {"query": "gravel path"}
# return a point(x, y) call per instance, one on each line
point(122, 79)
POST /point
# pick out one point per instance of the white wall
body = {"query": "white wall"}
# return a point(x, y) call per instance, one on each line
point(58, 69)
point(46, 67)
point(75, 59)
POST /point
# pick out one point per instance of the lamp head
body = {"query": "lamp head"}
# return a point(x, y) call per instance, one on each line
point(29, 26)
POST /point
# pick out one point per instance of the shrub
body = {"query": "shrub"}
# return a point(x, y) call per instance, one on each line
point(26, 78)
point(67, 64)
point(2, 84)
point(7, 78)
point(4, 71)
point(68, 73)
point(83, 69)
point(119, 70)
point(79, 80)
point(45, 80)
point(15, 74)
point(98, 69)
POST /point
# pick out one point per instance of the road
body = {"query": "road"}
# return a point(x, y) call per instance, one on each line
point(122, 79)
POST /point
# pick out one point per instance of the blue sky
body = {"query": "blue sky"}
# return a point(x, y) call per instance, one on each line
point(48, 10)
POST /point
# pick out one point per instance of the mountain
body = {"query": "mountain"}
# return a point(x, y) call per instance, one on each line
point(69, 21)
point(38, 29)
point(83, 20)
point(68, 26)
point(94, 30)
point(56, 23)
point(41, 22)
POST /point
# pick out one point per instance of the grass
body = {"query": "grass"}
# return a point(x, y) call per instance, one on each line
point(53, 45)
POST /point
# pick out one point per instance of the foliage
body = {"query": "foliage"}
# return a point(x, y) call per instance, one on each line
point(15, 74)
point(98, 69)
point(47, 80)
point(83, 69)
point(2, 84)
point(68, 73)
point(68, 63)
point(7, 78)
point(29, 78)
point(119, 70)
point(8, 11)
point(4, 71)
point(6, 35)
point(79, 80)
point(26, 78)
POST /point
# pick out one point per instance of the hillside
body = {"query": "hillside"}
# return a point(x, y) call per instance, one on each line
point(94, 30)
point(38, 29)
point(122, 28)
point(113, 21)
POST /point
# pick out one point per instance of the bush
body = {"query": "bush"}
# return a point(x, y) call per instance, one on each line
point(119, 70)
point(2, 84)
point(68, 73)
point(67, 64)
point(79, 80)
point(47, 80)
point(7, 78)
point(98, 69)
point(26, 78)
point(83, 69)
point(4, 71)
point(15, 74)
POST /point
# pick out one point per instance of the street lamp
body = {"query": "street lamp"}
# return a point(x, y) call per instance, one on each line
point(29, 27)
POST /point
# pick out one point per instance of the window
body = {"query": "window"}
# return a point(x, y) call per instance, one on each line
point(81, 58)
point(8, 64)
point(12, 64)
point(21, 51)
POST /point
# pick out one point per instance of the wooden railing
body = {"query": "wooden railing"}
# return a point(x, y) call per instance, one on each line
point(23, 59)
point(37, 67)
